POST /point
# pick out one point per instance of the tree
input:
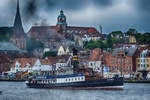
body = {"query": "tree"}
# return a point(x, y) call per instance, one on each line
point(109, 41)
point(131, 31)
point(33, 44)
point(146, 37)
point(95, 44)
point(50, 53)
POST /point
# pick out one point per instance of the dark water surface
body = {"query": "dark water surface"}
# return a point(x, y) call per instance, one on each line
point(19, 91)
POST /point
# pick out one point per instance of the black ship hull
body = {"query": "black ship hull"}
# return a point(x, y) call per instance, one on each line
point(104, 84)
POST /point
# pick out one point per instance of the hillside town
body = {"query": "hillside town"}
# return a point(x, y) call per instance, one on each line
point(49, 48)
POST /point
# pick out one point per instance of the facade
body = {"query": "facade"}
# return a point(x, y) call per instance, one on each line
point(42, 65)
point(95, 61)
point(143, 60)
point(22, 65)
point(122, 59)
point(30, 65)
point(8, 52)
point(132, 39)
point(18, 36)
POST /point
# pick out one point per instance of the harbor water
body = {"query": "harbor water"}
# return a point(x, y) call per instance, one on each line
point(19, 91)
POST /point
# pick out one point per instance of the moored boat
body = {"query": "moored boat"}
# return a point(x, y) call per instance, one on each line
point(81, 78)
point(75, 81)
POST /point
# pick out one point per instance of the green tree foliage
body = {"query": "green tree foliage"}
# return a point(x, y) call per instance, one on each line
point(33, 44)
point(4, 37)
point(109, 41)
point(131, 31)
point(95, 44)
point(146, 38)
point(5, 33)
point(50, 53)
point(117, 33)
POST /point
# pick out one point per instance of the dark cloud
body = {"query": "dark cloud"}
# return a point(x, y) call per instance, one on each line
point(131, 13)
point(102, 2)
point(31, 9)
point(143, 5)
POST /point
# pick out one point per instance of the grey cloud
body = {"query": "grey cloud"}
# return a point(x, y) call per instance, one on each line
point(46, 11)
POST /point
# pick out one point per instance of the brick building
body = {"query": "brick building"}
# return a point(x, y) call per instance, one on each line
point(8, 52)
point(122, 59)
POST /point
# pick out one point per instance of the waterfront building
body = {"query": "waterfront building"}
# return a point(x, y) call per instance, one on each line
point(143, 59)
point(95, 60)
point(122, 59)
point(22, 65)
point(42, 65)
point(8, 52)
point(30, 65)
point(18, 36)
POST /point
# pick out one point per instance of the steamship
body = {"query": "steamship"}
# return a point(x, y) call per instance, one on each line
point(78, 80)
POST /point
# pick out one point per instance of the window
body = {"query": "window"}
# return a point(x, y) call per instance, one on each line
point(147, 65)
point(138, 60)
point(122, 61)
point(112, 61)
point(127, 62)
point(115, 62)
point(91, 64)
point(138, 65)
point(79, 78)
point(147, 60)
point(118, 61)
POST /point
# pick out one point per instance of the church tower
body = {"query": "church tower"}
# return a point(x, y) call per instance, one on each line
point(18, 36)
point(61, 21)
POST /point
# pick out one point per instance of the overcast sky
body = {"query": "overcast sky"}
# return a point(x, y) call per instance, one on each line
point(111, 14)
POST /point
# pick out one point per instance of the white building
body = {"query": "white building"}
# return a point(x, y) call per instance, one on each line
point(42, 65)
point(30, 65)
point(63, 50)
point(95, 61)
point(22, 65)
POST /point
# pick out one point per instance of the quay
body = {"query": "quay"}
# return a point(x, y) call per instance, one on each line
point(13, 80)
point(136, 81)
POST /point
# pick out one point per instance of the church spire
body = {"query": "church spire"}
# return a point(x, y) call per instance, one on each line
point(18, 28)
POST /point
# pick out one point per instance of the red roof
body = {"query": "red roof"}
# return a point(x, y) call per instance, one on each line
point(24, 61)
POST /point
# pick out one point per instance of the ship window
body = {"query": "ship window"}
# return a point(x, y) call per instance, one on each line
point(66, 80)
point(82, 78)
point(69, 79)
point(79, 78)
point(75, 78)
